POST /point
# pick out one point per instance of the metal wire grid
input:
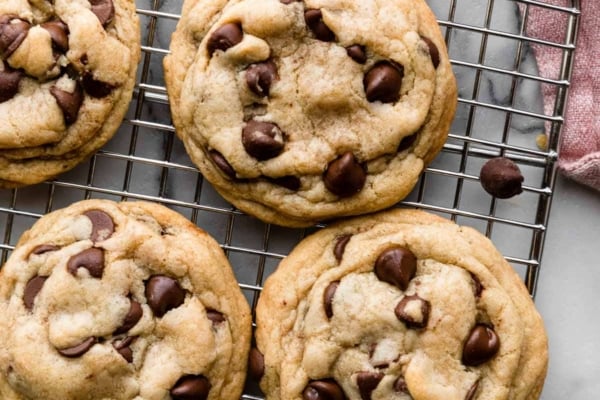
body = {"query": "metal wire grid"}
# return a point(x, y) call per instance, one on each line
point(145, 161)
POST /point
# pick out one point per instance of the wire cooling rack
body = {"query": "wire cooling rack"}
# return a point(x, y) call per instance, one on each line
point(500, 112)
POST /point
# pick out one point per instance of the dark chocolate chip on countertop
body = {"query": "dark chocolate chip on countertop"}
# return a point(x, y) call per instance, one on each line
point(225, 37)
point(163, 294)
point(501, 178)
point(396, 266)
point(314, 20)
point(383, 82)
point(262, 140)
point(481, 345)
point(191, 387)
point(345, 176)
point(90, 259)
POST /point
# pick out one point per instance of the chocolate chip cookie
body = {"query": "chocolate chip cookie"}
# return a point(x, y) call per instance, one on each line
point(301, 111)
point(106, 300)
point(67, 71)
point(398, 305)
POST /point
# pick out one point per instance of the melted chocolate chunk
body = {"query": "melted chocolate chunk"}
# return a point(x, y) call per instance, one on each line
point(44, 248)
point(400, 385)
point(405, 314)
point(328, 298)
point(326, 389)
point(406, 142)
point(260, 77)
point(481, 345)
point(472, 391)
point(80, 349)
point(13, 31)
point(9, 83)
point(357, 53)
point(163, 294)
point(95, 88)
point(32, 288)
point(225, 37)
point(434, 53)
point(340, 246)
point(104, 10)
point(367, 382)
point(289, 182)
point(222, 163)
point(256, 364)
point(133, 316)
point(345, 176)
point(90, 259)
point(102, 225)
point(69, 103)
point(59, 32)
point(501, 178)
point(123, 347)
point(383, 82)
point(215, 317)
point(314, 20)
point(191, 387)
point(262, 140)
point(396, 266)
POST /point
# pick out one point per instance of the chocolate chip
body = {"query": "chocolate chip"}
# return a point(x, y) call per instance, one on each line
point(289, 1)
point(13, 31)
point(222, 163)
point(122, 347)
point(95, 88)
point(225, 37)
point(102, 225)
point(478, 287)
point(260, 76)
point(400, 385)
point(104, 10)
point(383, 82)
point(472, 391)
point(44, 248)
point(90, 259)
point(345, 176)
point(133, 316)
point(215, 317)
point(80, 349)
point(59, 32)
point(501, 178)
point(396, 266)
point(163, 294)
point(262, 140)
point(340, 246)
point(328, 298)
point(357, 53)
point(434, 53)
point(407, 311)
point(326, 389)
point(314, 20)
point(406, 142)
point(256, 364)
point(289, 182)
point(32, 288)
point(69, 103)
point(191, 387)
point(481, 345)
point(9, 83)
point(367, 382)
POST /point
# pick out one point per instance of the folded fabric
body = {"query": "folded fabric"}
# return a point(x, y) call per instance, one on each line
point(579, 156)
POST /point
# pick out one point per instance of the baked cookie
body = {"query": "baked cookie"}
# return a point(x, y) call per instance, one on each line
point(67, 71)
point(398, 305)
point(106, 300)
point(304, 111)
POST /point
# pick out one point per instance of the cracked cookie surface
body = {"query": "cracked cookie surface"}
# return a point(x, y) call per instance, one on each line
point(301, 111)
point(398, 305)
point(119, 301)
point(67, 71)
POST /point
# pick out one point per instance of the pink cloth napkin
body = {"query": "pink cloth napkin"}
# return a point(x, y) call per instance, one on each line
point(579, 156)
